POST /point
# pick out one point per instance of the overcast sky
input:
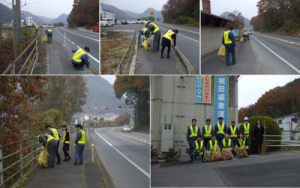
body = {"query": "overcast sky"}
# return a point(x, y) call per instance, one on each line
point(251, 88)
point(246, 7)
point(137, 6)
point(110, 78)
point(47, 8)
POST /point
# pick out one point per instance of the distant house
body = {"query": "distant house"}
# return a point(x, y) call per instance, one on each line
point(288, 122)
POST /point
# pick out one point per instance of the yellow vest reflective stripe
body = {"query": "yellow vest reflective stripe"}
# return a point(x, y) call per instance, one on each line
point(194, 134)
point(246, 128)
point(80, 52)
point(233, 134)
point(36, 27)
point(64, 138)
point(49, 138)
point(244, 142)
point(144, 30)
point(229, 143)
point(197, 146)
point(81, 124)
point(221, 129)
point(211, 146)
point(226, 38)
point(82, 140)
point(155, 27)
point(207, 132)
point(55, 133)
point(169, 34)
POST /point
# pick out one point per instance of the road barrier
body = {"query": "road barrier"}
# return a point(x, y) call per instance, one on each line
point(282, 141)
point(30, 142)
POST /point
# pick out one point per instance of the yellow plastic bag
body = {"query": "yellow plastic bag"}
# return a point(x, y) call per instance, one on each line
point(145, 44)
point(43, 158)
point(226, 153)
point(207, 155)
point(216, 154)
point(222, 52)
point(242, 152)
point(46, 38)
point(242, 39)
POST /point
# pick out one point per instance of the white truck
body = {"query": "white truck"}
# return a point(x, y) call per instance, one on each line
point(108, 18)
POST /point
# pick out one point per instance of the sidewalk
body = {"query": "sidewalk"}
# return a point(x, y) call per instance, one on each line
point(67, 175)
point(246, 62)
point(151, 63)
point(60, 59)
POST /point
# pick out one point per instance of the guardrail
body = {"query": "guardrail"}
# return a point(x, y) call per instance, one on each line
point(35, 45)
point(21, 160)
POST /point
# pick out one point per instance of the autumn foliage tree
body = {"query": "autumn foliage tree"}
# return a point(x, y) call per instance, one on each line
point(122, 120)
point(237, 18)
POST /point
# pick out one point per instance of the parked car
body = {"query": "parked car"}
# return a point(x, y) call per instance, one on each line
point(124, 22)
point(126, 128)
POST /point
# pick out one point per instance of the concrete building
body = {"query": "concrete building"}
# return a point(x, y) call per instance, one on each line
point(288, 122)
point(173, 106)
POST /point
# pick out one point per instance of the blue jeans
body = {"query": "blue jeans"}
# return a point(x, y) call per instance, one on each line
point(79, 152)
point(230, 49)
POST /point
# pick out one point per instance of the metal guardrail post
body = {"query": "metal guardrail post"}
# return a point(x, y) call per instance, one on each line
point(65, 38)
point(1, 167)
point(120, 64)
point(31, 152)
point(21, 160)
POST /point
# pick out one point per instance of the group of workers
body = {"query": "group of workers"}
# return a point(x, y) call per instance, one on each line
point(51, 141)
point(166, 39)
point(222, 136)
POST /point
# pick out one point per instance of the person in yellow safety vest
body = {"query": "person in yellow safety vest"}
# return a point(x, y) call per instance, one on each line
point(79, 145)
point(191, 135)
point(245, 128)
point(166, 41)
point(154, 29)
point(80, 58)
point(49, 34)
point(53, 132)
point(226, 142)
point(36, 28)
point(213, 143)
point(229, 42)
point(198, 147)
point(142, 32)
point(51, 144)
point(220, 130)
point(207, 132)
point(233, 133)
point(242, 141)
point(66, 142)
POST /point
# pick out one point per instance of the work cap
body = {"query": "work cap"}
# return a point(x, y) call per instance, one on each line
point(246, 119)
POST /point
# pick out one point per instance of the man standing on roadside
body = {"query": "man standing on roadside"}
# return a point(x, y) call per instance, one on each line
point(79, 145)
point(245, 128)
point(191, 135)
point(230, 46)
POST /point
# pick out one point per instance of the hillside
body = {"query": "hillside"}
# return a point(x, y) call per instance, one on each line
point(120, 15)
point(45, 19)
point(62, 18)
point(101, 94)
point(132, 14)
point(246, 20)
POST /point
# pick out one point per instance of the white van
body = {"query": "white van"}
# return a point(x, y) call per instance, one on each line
point(107, 22)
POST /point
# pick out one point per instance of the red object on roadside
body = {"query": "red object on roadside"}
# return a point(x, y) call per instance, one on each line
point(96, 28)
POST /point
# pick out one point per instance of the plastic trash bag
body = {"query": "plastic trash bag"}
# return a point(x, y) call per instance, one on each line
point(207, 155)
point(46, 38)
point(242, 39)
point(226, 153)
point(216, 154)
point(222, 52)
point(242, 152)
point(43, 158)
point(145, 44)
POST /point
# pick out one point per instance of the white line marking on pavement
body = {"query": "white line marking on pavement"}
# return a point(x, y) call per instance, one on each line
point(92, 57)
point(289, 64)
point(139, 168)
point(68, 39)
point(72, 42)
point(182, 35)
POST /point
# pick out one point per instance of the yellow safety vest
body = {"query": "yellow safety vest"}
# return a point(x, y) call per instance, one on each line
point(246, 128)
point(229, 143)
point(244, 142)
point(49, 138)
point(197, 146)
point(82, 140)
point(211, 146)
point(221, 129)
point(80, 52)
point(64, 138)
point(226, 38)
point(144, 30)
point(194, 134)
point(169, 34)
point(36, 27)
point(55, 133)
point(155, 27)
point(49, 30)
point(207, 132)
point(233, 134)
point(81, 124)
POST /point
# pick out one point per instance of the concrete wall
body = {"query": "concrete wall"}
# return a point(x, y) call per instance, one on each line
point(211, 39)
point(165, 108)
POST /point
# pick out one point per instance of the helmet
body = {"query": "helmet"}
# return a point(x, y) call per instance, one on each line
point(245, 118)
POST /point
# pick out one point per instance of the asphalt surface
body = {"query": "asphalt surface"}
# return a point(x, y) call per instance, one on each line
point(125, 159)
point(187, 40)
point(278, 169)
point(77, 38)
point(277, 55)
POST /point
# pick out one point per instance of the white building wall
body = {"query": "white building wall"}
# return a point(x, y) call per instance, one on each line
point(211, 39)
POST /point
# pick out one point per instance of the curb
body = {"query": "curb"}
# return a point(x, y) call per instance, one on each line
point(260, 70)
point(158, 161)
point(134, 59)
point(184, 61)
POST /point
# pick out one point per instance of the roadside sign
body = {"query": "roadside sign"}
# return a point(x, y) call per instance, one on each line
point(52, 22)
point(151, 13)
point(235, 32)
point(95, 119)
point(240, 25)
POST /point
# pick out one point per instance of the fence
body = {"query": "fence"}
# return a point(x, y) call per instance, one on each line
point(22, 160)
point(34, 46)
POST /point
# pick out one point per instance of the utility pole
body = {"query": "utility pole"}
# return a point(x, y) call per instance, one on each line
point(16, 9)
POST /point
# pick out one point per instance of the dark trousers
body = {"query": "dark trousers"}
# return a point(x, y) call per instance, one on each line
point(230, 50)
point(49, 37)
point(206, 140)
point(79, 153)
point(66, 154)
point(81, 64)
point(258, 149)
point(248, 143)
point(52, 148)
point(192, 140)
point(57, 154)
point(162, 51)
point(156, 40)
point(220, 138)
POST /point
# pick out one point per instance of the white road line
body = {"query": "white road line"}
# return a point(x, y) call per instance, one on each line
point(182, 35)
point(72, 42)
point(289, 64)
point(92, 57)
point(135, 165)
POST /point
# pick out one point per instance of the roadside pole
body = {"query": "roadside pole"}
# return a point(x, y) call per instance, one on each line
point(16, 8)
point(92, 152)
point(65, 38)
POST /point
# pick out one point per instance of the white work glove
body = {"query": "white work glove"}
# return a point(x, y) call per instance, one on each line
point(247, 136)
point(42, 147)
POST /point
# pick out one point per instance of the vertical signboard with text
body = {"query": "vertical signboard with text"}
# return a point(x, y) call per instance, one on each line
point(203, 89)
point(221, 98)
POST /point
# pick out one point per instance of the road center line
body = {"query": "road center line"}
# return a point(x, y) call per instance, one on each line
point(131, 137)
point(178, 28)
point(92, 57)
point(81, 35)
point(285, 61)
point(182, 35)
point(135, 165)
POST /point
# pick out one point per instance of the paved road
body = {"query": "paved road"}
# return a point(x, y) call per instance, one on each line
point(277, 54)
point(187, 40)
point(77, 38)
point(272, 170)
point(125, 159)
